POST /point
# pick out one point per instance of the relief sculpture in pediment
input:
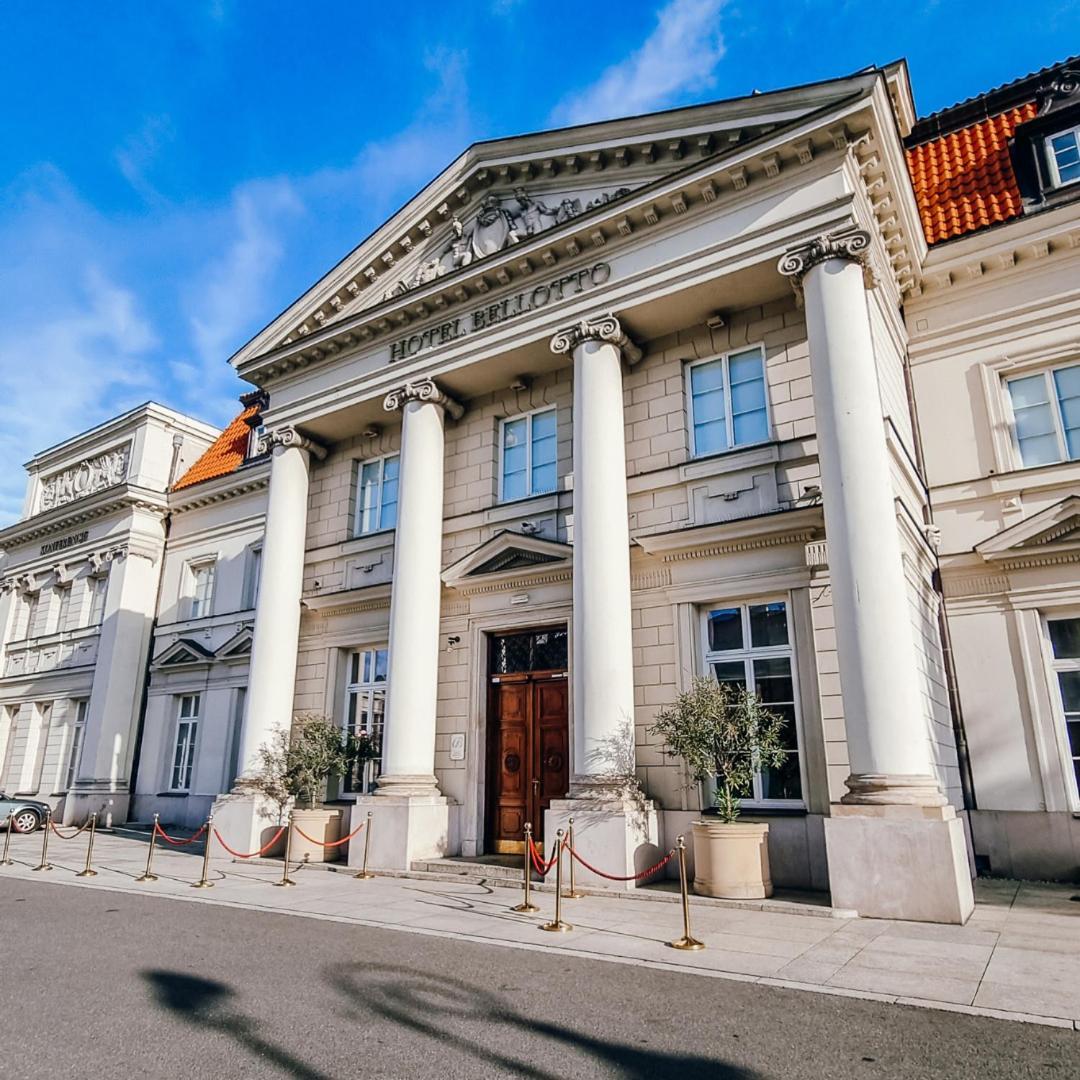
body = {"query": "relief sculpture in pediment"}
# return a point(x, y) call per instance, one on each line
point(499, 223)
point(83, 479)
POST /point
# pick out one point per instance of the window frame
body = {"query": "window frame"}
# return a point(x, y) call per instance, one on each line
point(30, 614)
point(688, 391)
point(183, 755)
point(191, 591)
point(365, 691)
point(252, 574)
point(747, 655)
point(78, 733)
point(1047, 374)
point(1051, 157)
point(63, 608)
point(359, 508)
point(98, 588)
point(1055, 667)
point(528, 418)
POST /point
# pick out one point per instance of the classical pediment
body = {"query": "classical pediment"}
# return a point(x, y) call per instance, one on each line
point(183, 653)
point(506, 558)
point(1050, 536)
point(500, 196)
point(238, 647)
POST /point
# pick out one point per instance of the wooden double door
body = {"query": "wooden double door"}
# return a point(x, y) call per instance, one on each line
point(528, 753)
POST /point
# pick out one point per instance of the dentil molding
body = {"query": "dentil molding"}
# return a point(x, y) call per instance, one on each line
point(423, 390)
point(605, 328)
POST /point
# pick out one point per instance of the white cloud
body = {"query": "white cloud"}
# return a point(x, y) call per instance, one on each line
point(680, 56)
point(139, 153)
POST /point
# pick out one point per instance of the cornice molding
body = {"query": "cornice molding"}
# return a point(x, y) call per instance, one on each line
point(604, 328)
point(234, 485)
point(423, 390)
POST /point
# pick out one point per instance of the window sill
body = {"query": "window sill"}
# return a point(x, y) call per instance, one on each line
point(749, 812)
point(173, 794)
point(727, 461)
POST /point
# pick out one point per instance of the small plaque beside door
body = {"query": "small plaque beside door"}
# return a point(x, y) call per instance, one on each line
point(457, 746)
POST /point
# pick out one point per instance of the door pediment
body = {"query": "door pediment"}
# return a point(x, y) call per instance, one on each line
point(509, 559)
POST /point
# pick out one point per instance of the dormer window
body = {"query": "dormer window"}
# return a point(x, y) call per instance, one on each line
point(1063, 156)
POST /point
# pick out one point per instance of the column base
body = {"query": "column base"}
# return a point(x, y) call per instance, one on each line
point(407, 784)
point(110, 805)
point(246, 821)
point(616, 834)
point(893, 789)
point(404, 829)
point(899, 862)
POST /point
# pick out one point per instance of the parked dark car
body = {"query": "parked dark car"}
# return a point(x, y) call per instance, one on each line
point(29, 813)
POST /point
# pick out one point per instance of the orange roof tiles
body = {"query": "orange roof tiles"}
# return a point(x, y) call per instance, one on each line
point(225, 455)
point(964, 181)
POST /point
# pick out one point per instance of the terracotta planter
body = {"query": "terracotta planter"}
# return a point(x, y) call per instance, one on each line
point(322, 825)
point(732, 860)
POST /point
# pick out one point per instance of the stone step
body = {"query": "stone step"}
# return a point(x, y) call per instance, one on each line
point(470, 870)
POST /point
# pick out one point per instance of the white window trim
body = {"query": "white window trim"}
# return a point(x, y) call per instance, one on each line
point(366, 690)
point(252, 574)
point(1047, 373)
point(62, 614)
point(357, 475)
point(190, 585)
point(789, 652)
point(192, 744)
point(1051, 160)
point(73, 751)
point(688, 394)
point(528, 417)
point(95, 582)
point(1061, 734)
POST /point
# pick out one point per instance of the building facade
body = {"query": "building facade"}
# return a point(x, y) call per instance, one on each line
point(779, 390)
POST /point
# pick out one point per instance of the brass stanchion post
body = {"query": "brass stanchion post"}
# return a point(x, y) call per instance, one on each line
point(527, 905)
point(148, 874)
point(88, 871)
point(365, 873)
point(45, 864)
point(557, 925)
point(573, 894)
point(7, 860)
point(285, 879)
point(687, 942)
point(204, 882)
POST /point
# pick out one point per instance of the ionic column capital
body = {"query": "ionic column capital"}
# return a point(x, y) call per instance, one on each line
point(605, 328)
point(423, 390)
point(850, 244)
point(288, 436)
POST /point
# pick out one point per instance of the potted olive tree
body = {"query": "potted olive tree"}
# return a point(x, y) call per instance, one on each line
point(293, 769)
point(725, 732)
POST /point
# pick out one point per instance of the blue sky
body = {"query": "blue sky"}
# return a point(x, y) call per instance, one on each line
point(172, 174)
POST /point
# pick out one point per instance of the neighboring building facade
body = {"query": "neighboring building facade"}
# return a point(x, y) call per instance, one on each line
point(723, 390)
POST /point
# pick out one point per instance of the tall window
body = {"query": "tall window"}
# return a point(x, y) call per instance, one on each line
point(1046, 413)
point(365, 708)
point(727, 402)
point(202, 589)
point(254, 571)
point(1065, 648)
point(1064, 153)
point(78, 730)
point(749, 645)
point(30, 614)
point(187, 728)
point(529, 454)
point(98, 588)
point(377, 495)
point(63, 606)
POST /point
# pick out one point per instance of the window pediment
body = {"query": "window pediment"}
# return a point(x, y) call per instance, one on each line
point(1052, 535)
point(183, 653)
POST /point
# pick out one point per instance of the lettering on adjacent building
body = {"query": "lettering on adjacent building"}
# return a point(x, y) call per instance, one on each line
point(63, 543)
point(510, 307)
point(78, 481)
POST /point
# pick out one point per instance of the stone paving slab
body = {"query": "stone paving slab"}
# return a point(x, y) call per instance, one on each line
point(1017, 958)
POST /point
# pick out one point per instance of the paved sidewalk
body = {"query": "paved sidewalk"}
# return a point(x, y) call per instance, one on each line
point(1017, 958)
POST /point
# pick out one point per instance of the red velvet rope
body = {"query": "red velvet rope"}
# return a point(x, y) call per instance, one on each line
point(178, 843)
point(537, 857)
point(329, 843)
point(82, 828)
point(614, 877)
point(251, 855)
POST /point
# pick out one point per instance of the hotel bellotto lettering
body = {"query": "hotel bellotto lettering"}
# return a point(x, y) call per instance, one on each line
point(509, 307)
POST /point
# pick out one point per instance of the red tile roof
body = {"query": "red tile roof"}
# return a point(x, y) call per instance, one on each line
point(225, 455)
point(964, 181)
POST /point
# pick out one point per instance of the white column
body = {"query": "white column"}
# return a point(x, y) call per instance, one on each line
point(603, 675)
point(408, 758)
point(272, 675)
point(895, 847)
point(886, 727)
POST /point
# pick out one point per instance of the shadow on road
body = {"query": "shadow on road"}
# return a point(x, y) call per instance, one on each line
point(206, 1004)
point(455, 1013)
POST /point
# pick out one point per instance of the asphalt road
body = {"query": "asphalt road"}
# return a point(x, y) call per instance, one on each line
point(99, 984)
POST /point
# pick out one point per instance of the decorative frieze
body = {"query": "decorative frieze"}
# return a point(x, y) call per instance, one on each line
point(91, 475)
point(422, 390)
